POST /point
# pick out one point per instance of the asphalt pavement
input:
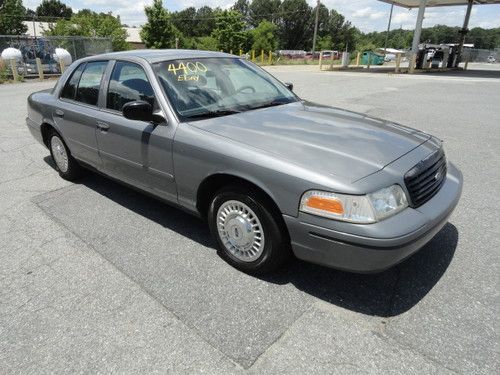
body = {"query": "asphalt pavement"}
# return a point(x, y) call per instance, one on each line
point(96, 277)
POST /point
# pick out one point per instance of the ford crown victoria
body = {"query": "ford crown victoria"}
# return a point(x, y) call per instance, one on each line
point(273, 175)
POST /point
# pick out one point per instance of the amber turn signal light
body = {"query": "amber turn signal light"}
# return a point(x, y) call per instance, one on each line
point(325, 204)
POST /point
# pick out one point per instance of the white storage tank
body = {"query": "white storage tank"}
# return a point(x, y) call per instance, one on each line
point(60, 54)
point(12, 53)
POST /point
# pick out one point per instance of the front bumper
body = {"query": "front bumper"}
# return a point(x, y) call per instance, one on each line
point(373, 247)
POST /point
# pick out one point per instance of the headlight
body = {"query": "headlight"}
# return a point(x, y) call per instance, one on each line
point(363, 209)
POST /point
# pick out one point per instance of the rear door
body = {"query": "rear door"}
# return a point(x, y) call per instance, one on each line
point(77, 109)
point(136, 152)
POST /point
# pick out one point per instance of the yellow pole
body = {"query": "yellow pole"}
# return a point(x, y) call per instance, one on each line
point(358, 57)
point(61, 65)
point(413, 61)
point(320, 60)
point(262, 56)
point(13, 67)
point(398, 63)
point(253, 55)
point(241, 52)
point(270, 57)
point(40, 68)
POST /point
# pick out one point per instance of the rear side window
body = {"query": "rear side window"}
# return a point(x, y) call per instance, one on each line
point(128, 83)
point(69, 90)
point(90, 82)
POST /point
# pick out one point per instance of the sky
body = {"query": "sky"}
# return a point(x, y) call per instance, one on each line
point(367, 15)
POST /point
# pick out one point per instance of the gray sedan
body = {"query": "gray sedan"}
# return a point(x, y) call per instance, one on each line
point(274, 175)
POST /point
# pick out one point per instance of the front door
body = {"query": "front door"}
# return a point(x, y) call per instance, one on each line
point(137, 152)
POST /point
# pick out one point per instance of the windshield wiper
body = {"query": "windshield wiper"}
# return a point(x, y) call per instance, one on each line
point(218, 113)
point(272, 103)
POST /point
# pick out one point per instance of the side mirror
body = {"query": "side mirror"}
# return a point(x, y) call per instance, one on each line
point(138, 110)
point(289, 86)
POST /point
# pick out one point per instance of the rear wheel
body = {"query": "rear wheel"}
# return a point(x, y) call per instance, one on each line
point(249, 234)
point(66, 165)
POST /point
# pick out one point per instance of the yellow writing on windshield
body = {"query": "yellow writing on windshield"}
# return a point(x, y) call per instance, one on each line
point(185, 77)
point(189, 67)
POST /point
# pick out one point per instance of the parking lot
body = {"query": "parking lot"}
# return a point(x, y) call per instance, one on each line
point(95, 277)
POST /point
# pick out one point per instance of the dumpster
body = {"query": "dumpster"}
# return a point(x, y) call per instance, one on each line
point(375, 58)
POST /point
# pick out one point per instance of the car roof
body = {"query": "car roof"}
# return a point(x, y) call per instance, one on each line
point(157, 55)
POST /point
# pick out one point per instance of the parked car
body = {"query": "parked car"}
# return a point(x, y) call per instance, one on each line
point(389, 57)
point(30, 67)
point(273, 175)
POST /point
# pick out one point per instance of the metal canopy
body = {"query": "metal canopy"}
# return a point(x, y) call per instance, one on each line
point(437, 3)
point(422, 4)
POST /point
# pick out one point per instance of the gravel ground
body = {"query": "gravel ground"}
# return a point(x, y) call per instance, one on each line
point(95, 277)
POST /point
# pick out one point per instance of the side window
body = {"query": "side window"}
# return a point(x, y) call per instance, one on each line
point(90, 82)
point(128, 83)
point(69, 89)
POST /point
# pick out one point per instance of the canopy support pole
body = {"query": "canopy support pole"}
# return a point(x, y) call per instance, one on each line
point(388, 29)
point(418, 27)
point(464, 31)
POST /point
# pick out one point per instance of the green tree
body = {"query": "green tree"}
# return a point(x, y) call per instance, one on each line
point(264, 9)
point(229, 31)
point(12, 13)
point(343, 34)
point(264, 36)
point(159, 31)
point(484, 38)
point(243, 7)
point(324, 43)
point(295, 26)
point(51, 10)
point(205, 20)
point(91, 24)
point(206, 43)
point(185, 21)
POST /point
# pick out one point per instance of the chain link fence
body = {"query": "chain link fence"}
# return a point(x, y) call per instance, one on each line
point(481, 55)
point(44, 48)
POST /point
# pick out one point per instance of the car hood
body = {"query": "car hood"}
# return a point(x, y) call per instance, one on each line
point(322, 139)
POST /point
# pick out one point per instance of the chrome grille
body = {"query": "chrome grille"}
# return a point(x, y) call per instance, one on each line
point(425, 179)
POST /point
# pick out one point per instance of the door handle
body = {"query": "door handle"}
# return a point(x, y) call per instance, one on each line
point(102, 125)
point(59, 112)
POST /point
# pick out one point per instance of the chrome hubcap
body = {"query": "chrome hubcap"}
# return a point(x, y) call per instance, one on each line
point(240, 230)
point(59, 153)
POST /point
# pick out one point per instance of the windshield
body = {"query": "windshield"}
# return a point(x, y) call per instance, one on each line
point(211, 87)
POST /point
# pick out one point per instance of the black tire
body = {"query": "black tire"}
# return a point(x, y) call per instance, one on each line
point(74, 170)
point(276, 250)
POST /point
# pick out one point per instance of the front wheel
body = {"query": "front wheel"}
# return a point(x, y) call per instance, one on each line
point(250, 235)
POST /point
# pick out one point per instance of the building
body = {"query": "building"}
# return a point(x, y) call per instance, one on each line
point(36, 29)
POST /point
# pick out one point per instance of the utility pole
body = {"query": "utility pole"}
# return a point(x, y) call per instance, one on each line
point(34, 26)
point(315, 28)
point(388, 29)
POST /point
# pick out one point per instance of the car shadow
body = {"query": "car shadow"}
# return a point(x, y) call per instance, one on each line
point(384, 294)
